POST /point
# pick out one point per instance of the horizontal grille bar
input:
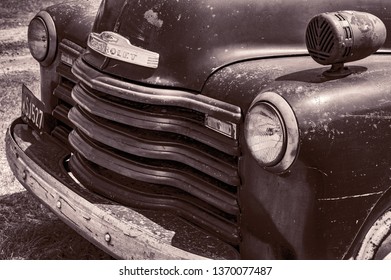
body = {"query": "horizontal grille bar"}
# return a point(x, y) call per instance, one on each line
point(146, 144)
point(150, 95)
point(115, 111)
point(141, 195)
point(158, 173)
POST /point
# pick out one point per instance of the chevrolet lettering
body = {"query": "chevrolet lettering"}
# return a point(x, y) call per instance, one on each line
point(204, 129)
point(115, 46)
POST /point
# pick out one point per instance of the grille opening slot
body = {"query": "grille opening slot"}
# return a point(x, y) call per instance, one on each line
point(63, 126)
point(67, 83)
point(348, 32)
point(347, 51)
point(340, 17)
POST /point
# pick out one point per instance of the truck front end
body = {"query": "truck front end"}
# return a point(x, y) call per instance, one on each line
point(193, 129)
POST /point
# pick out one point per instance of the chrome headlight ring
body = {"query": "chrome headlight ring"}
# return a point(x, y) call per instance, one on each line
point(42, 38)
point(271, 132)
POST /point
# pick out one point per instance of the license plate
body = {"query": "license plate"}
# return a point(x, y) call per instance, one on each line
point(32, 109)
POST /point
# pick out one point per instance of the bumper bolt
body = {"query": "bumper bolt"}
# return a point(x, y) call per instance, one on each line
point(107, 237)
point(24, 175)
point(58, 204)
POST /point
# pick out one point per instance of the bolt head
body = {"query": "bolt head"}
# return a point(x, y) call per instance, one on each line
point(107, 237)
point(59, 204)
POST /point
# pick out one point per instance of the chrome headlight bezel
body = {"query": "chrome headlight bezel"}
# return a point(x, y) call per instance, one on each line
point(288, 144)
point(46, 55)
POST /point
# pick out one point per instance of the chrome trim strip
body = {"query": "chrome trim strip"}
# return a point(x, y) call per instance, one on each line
point(157, 96)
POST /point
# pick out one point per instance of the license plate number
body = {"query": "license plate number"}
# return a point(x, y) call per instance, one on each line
point(32, 109)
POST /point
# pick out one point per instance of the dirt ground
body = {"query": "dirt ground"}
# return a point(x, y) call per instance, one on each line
point(15, 65)
point(27, 229)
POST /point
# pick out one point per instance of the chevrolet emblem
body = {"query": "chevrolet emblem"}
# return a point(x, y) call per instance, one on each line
point(115, 46)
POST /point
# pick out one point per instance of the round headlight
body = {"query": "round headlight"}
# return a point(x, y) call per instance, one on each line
point(42, 38)
point(265, 134)
point(38, 39)
point(271, 132)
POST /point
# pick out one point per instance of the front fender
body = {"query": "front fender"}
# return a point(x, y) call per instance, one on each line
point(315, 209)
point(74, 19)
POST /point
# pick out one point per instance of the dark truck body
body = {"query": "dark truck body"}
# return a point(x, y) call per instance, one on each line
point(129, 155)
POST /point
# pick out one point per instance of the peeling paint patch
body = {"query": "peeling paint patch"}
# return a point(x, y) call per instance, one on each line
point(363, 23)
point(153, 18)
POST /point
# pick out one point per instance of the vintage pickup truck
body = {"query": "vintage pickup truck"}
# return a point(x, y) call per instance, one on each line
point(192, 129)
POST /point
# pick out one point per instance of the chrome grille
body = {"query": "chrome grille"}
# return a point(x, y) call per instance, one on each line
point(149, 148)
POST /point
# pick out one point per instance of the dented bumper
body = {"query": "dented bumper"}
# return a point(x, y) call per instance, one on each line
point(40, 163)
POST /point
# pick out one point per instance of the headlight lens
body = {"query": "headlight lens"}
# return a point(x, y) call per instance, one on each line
point(38, 39)
point(265, 134)
point(42, 38)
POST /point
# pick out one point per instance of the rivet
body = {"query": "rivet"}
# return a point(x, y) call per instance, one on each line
point(107, 237)
point(59, 204)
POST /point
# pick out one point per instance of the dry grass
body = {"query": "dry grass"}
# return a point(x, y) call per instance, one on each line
point(29, 231)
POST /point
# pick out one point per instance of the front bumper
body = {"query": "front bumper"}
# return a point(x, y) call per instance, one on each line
point(40, 163)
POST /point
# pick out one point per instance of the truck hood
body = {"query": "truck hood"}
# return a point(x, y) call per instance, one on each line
point(195, 38)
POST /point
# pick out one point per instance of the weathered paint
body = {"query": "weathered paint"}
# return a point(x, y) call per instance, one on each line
point(78, 18)
point(195, 38)
point(343, 164)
